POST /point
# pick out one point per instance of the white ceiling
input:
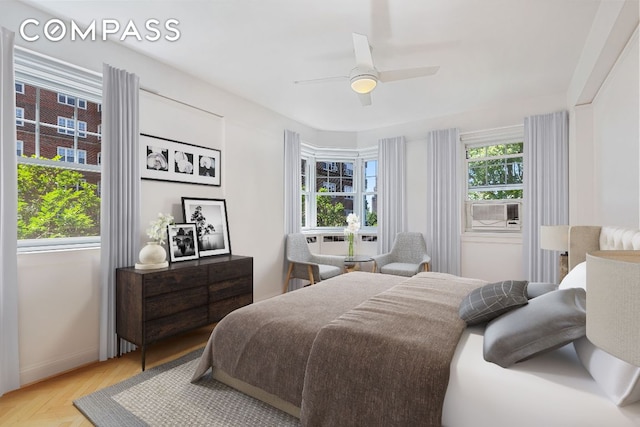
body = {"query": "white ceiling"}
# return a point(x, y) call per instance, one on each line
point(489, 51)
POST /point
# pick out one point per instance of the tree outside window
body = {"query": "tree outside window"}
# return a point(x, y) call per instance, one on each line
point(494, 172)
point(58, 165)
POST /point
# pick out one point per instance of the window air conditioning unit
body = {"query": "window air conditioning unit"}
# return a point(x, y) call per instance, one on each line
point(495, 216)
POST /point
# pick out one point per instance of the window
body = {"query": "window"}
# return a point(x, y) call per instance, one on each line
point(369, 194)
point(494, 176)
point(19, 116)
point(72, 101)
point(68, 127)
point(69, 155)
point(20, 147)
point(305, 193)
point(19, 88)
point(494, 171)
point(334, 187)
point(60, 208)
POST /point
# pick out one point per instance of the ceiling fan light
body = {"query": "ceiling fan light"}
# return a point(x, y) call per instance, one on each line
point(363, 84)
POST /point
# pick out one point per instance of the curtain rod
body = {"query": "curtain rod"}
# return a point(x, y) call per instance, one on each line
point(153, 92)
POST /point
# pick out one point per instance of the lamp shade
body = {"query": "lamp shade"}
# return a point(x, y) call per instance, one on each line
point(554, 237)
point(613, 303)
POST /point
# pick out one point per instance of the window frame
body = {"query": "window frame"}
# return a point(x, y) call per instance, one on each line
point(358, 158)
point(45, 72)
point(20, 116)
point(503, 135)
point(76, 155)
point(502, 157)
point(70, 127)
point(71, 101)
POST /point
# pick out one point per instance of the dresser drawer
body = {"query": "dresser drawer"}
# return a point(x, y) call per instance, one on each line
point(166, 304)
point(230, 288)
point(174, 280)
point(176, 323)
point(221, 308)
point(230, 269)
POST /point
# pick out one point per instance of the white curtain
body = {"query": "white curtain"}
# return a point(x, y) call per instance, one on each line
point(392, 212)
point(443, 200)
point(546, 189)
point(120, 204)
point(9, 356)
point(292, 186)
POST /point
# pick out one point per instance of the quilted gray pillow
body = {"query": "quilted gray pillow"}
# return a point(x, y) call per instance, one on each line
point(546, 323)
point(492, 300)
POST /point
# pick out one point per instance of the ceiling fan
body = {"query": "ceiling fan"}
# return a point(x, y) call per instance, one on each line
point(365, 77)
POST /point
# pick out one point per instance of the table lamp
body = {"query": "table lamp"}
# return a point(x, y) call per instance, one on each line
point(556, 238)
point(613, 303)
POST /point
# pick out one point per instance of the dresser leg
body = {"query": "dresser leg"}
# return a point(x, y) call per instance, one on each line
point(144, 353)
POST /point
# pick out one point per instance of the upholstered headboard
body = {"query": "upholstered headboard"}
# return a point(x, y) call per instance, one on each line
point(588, 238)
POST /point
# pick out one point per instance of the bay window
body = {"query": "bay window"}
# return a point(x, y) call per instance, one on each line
point(336, 183)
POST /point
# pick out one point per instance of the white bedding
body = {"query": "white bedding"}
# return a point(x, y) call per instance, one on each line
point(550, 390)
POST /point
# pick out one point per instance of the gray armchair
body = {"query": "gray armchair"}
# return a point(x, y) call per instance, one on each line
point(407, 257)
point(305, 265)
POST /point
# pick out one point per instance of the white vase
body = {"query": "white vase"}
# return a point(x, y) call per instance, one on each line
point(152, 255)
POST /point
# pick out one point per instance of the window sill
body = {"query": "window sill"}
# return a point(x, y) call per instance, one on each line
point(55, 245)
point(513, 237)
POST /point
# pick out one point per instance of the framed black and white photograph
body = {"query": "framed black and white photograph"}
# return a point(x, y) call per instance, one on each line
point(210, 218)
point(183, 242)
point(169, 160)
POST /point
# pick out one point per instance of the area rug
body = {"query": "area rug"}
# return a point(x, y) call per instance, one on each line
point(164, 396)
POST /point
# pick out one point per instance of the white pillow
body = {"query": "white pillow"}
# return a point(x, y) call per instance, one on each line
point(618, 379)
point(576, 278)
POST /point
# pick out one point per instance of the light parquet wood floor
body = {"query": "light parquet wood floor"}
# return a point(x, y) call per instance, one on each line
point(50, 402)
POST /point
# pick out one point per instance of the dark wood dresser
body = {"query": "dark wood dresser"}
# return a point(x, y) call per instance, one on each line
point(156, 304)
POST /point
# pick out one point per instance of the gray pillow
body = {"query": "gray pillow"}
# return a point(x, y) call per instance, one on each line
point(490, 301)
point(535, 289)
point(546, 323)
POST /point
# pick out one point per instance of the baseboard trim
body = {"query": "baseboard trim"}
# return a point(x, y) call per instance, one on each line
point(50, 368)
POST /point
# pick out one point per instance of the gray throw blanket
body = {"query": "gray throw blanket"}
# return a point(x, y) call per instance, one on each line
point(267, 344)
point(386, 362)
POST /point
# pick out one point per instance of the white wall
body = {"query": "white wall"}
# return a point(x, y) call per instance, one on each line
point(615, 124)
point(58, 306)
point(604, 135)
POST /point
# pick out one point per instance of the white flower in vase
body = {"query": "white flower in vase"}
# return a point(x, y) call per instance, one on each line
point(353, 225)
point(157, 230)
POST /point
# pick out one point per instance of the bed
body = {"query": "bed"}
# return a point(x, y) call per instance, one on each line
point(359, 349)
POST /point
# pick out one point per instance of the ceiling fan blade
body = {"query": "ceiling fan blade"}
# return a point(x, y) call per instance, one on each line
point(407, 73)
point(362, 51)
point(322, 80)
point(365, 98)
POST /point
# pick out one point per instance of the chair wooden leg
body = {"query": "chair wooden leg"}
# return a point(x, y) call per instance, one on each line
point(427, 267)
point(310, 270)
point(286, 282)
